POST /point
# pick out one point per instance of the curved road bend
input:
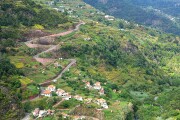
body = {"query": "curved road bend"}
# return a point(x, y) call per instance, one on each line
point(73, 61)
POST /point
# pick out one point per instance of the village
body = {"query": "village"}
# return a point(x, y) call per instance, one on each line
point(49, 90)
point(89, 60)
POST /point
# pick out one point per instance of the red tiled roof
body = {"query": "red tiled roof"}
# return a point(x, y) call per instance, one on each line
point(46, 92)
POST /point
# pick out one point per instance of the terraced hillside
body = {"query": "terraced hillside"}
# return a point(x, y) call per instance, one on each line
point(118, 69)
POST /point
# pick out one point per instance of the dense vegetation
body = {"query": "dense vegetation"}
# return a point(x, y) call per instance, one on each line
point(27, 13)
point(16, 18)
point(139, 12)
point(138, 67)
point(10, 95)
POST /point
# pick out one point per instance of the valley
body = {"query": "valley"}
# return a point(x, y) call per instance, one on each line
point(67, 60)
point(159, 14)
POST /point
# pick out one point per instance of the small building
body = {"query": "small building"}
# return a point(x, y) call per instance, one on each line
point(108, 17)
point(67, 97)
point(88, 85)
point(60, 92)
point(51, 88)
point(36, 112)
point(65, 94)
point(97, 86)
point(77, 97)
point(42, 113)
point(101, 91)
point(102, 103)
point(47, 93)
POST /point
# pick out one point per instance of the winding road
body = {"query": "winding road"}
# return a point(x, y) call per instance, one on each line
point(53, 47)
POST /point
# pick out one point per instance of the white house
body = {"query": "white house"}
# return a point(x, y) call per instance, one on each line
point(67, 97)
point(60, 92)
point(88, 85)
point(42, 113)
point(102, 102)
point(97, 86)
point(108, 17)
point(51, 88)
point(105, 106)
point(77, 97)
point(65, 94)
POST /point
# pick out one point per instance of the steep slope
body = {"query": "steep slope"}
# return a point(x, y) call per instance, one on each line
point(161, 14)
point(10, 105)
point(137, 67)
point(140, 62)
point(16, 18)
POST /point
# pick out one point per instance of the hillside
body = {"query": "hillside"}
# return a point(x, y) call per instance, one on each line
point(163, 15)
point(16, 19)
point(95, 67)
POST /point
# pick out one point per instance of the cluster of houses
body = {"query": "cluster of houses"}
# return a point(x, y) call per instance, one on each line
point(96, 86)
point(42, 113)
point(66, 96)
point(60, 92)
point(102, 102)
